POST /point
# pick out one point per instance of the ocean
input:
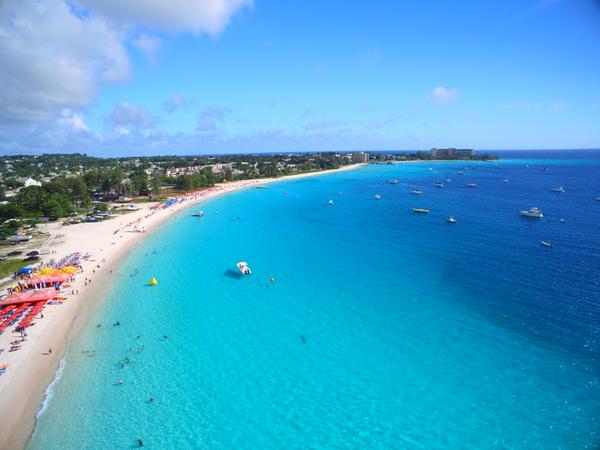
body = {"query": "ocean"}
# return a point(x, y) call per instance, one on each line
point(363, 325)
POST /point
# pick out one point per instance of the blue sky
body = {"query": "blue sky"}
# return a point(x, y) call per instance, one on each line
point(196, 76)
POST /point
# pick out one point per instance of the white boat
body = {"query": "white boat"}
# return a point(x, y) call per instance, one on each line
point(546, 244)
point(377, 197)
point(471, 185)
point(439, 184)
point(532, 212)
point(506, 180)
point(198, 214)
point(243, 267)
point(394, 181)
point(416, 192)
point(562, 220)
point(448, 180)
point(460, 173)
point(421, 210)
point(451, 219)
point(558, 189)
point(330, 202)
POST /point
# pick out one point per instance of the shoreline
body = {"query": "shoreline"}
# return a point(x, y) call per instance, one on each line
point(31, 370)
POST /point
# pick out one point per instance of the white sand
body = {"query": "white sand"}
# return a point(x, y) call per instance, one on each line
point(31, 369)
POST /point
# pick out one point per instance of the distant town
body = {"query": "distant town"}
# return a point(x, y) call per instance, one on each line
point(52, 186)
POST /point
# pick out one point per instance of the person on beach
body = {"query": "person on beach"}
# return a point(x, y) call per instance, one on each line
point(50, 350)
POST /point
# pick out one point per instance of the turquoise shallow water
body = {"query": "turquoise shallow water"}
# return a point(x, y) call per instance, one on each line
point(382, 329)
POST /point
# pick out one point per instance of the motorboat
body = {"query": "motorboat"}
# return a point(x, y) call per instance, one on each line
point(243, 267)
point(439, 184)
point(451, 219)
point(558, 189)
point(421, 210)
point(416, 192)
point(532, 212)
point(546, 244)
point(394, 181)
point(562, 220)
point(330, 202)
point(506, 180)
point(198, 214)
point(472, 185)
point(377, 197)
point(448, 180)
point(460, 173)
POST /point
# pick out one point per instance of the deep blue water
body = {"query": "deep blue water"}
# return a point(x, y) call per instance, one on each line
point(383, 328)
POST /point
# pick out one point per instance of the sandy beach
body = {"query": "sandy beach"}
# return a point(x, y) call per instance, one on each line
point(32, 369)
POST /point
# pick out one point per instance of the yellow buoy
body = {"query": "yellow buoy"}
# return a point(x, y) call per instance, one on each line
point(153, 282)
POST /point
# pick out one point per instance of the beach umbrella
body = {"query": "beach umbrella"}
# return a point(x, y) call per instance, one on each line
point(153, 282)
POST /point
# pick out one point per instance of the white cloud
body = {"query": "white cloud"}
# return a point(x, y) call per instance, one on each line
point(52, 59)
point(556, 106)
point(124, 114)
point(443, 96)
point(55, 56)
point(210, 119)
point(148, 45)
point(210, 16)
point(72, 121)
point(174, 103)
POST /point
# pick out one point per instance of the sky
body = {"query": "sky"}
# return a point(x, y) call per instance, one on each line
point(112, 78)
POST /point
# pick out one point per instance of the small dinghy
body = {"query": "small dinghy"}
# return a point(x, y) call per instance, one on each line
point(244, 268)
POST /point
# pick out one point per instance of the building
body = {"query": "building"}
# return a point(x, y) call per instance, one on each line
point(28, 181)
point(360, 157)
point(451, 153)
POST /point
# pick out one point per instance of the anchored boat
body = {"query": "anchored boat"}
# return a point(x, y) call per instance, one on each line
point(532, 212)
point(243, 267)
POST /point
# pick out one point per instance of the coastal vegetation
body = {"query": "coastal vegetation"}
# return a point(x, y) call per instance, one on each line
point(52, 186)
